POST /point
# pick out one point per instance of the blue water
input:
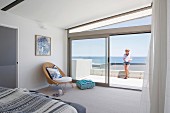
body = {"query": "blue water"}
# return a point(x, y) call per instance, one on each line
point(102, 60)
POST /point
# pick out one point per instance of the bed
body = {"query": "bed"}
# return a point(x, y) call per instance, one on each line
point(25, 101)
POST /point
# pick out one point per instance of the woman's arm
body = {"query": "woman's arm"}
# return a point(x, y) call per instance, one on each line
point(129, 59)
point(124, 58)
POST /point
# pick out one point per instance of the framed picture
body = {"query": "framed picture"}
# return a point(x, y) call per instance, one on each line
point(42, 45)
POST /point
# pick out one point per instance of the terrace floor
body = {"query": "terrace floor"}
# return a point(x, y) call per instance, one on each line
point(132, 83)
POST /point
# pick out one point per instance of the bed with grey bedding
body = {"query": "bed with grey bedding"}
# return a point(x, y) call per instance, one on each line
point(25, 101)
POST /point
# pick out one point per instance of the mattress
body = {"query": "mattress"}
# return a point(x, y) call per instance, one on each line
point(24, 101)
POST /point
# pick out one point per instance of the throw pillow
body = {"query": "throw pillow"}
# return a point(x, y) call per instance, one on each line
point(54, 73)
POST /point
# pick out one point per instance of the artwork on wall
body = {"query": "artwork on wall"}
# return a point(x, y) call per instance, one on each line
point(42, 45)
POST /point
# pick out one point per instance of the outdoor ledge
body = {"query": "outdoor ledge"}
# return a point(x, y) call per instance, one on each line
point(117, 73)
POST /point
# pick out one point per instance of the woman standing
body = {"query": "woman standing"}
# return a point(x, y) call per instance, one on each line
point(126, 59)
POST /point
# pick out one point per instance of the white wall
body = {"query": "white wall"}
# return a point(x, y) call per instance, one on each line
point(30, 66)
point(81, 68)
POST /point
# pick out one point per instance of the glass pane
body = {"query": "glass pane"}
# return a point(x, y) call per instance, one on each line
point(130, 23)
point(113, 21)
point(88, 59)
point(138, 44)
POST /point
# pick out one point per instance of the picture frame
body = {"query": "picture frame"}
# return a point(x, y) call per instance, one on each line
point(42, 45)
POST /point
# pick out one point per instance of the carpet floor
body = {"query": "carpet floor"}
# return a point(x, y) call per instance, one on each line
point(100, 99)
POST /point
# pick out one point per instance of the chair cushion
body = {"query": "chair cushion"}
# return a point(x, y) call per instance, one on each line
point(54, 73)
point(63, 79)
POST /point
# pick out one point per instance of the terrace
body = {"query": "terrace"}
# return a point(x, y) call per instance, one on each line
point(84, 69)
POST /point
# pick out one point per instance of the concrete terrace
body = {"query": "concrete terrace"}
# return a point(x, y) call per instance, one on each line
point(84, 69)
point(132, 83)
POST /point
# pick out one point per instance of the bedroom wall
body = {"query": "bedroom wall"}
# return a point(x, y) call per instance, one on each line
point(30, 73)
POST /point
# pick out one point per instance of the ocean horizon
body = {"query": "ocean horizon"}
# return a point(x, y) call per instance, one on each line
point(101, 59)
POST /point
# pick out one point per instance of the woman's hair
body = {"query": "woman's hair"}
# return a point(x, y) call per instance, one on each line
point(127, 49)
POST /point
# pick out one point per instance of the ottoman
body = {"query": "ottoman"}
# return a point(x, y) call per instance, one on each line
point(85, 84)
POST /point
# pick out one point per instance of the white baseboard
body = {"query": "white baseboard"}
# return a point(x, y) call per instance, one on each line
point(40, 87)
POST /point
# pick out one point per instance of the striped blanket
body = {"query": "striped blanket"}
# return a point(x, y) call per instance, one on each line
point(22, 101)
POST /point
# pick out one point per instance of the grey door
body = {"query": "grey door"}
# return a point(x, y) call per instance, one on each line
point(8, 57)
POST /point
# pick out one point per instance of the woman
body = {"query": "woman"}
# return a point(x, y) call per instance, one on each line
point(126, 59)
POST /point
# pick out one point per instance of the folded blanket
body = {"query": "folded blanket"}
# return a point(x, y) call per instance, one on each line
point(23, 101)
point(78, 107)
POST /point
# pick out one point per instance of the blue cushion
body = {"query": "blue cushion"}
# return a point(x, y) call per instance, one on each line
point(54, 73)
point(85, 84)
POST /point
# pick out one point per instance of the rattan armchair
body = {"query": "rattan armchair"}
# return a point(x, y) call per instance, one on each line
point(51, 81)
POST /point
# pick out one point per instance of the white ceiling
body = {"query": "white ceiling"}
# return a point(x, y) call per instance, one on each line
point(4, 3)
point(68, 13)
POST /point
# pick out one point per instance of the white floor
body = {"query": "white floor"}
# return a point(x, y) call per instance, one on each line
point(132, 83)
point(101, 99)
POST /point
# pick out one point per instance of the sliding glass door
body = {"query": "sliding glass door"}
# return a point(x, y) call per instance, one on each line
point(102, 59)
point(89, 59)
point(138, 44)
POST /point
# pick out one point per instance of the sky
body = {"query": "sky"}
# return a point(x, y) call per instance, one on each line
point(137, 43)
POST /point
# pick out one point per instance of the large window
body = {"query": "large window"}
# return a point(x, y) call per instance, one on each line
point(138, 44)
point(140, 17)
point(135, 22)
point(88, 55)
point(101, 59)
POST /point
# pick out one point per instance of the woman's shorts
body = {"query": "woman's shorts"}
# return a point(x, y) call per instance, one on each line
point(126, 63)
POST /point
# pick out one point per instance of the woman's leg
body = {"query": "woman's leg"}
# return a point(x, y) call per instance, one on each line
point(126, 71)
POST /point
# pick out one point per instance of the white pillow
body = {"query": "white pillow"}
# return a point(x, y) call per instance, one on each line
point(54, 73)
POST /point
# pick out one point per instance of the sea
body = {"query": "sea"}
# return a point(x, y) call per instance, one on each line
point(102, 60)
